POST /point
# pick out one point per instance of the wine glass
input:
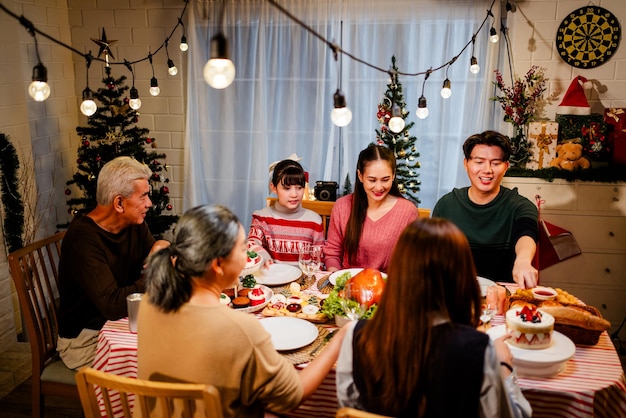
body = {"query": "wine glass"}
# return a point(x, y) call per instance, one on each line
point(310, 259)
point(354, 301)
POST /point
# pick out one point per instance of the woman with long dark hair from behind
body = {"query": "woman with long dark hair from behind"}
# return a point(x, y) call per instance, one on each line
point(421, 355)
point(186, 334)
point(365, 225)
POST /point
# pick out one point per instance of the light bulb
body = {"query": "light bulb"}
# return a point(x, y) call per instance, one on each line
point(493, 35)
point(184, 46)
point(422, 109)
point(219, 71)
point(446, 92)
point(474, 67)
point(341, 115)
point(396, 123)
point(171, 67)
point(88, 107)
point(39, 89)
point(154, 87)
point(135, 101)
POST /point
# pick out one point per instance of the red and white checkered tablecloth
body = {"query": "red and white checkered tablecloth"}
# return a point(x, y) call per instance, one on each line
point(591, 385)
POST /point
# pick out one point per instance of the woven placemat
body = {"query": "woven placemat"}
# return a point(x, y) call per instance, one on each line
point(326, 289)
point(303, 355)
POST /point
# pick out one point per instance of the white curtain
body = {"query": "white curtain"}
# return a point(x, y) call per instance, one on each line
point(281, 98)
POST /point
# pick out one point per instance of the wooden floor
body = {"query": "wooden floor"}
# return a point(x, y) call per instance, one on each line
point(17, 404)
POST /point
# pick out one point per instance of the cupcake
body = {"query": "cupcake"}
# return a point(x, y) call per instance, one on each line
point(256, 296)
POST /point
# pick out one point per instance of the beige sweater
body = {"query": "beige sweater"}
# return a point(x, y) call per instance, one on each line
point(219, 346)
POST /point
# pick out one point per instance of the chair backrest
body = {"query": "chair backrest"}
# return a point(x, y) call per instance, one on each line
point(151, 399)
point(423, 213)
point(34, 271)
point(356, 413)
point(322, 208)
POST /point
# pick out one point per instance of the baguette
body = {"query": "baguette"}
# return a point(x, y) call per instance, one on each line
point(576, 316)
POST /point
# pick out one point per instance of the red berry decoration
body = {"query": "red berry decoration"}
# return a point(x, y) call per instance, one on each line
point(68, 192)
point(165, 190)
point(169, 207)
point(98, 158)
point(85, 143)
point(148, 140)
point(110, 86)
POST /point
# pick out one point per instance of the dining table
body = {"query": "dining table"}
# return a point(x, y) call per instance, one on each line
point(591, 384)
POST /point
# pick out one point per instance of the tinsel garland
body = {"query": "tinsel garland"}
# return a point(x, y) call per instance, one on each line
point(598, 174)
point(13, 221)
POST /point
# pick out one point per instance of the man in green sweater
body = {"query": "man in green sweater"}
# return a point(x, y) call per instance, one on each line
point(500, 224)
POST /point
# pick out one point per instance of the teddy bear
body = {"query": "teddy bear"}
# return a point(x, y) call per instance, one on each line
point(570, 157)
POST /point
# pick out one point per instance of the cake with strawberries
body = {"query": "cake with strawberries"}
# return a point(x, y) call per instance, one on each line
point(531, 328)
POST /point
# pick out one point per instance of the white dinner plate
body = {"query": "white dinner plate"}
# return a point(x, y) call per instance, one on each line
point(484, 284)
point(268, 295)
point(353, 272)
point(289, 333)
point(544, 362)
point(277, 273)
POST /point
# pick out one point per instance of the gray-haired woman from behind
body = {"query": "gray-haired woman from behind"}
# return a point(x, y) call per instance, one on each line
point(186, 334)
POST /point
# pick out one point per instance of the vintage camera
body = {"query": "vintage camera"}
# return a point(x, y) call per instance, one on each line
point(326, 190)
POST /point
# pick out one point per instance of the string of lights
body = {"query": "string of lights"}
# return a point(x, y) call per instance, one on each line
point(219, 70)
point(422, 110)
point(39, 89)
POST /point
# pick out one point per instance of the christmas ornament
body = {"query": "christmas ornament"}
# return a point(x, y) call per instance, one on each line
point(68, 192)
point(119, 110)
point(85, 143)
point(105, 46)
point(169, 206)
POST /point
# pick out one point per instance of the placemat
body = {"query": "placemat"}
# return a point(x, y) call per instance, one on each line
point(303, 355)
point(326, 289)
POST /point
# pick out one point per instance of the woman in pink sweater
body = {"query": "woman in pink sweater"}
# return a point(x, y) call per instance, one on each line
point(365, 225)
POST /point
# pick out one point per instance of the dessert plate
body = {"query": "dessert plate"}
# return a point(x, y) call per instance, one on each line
point(546, 362)
point(268, 295)
point(277, 274)
point(289, 333)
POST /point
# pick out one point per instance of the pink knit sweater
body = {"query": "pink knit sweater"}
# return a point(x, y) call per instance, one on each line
point(377, 239)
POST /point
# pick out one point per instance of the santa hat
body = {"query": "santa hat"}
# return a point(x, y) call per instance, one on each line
point(574, 101)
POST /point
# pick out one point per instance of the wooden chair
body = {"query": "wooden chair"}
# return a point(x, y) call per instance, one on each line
point(34, 271)
point(322, 208)
point(152, 399)
point(356, 413)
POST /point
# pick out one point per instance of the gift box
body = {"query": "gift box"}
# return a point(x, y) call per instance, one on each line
point(589, 130)
point(543, 137)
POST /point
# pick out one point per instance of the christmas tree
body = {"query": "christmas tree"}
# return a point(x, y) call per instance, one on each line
point(401, 143)
point(112, 132)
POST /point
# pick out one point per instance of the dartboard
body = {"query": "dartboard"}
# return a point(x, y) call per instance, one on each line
point(588, 37)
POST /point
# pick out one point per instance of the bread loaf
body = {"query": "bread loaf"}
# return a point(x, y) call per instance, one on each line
point(576, 313)
point(577, 316)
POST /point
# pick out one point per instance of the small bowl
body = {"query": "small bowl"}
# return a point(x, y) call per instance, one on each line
point(252, 269)
point(544, 293)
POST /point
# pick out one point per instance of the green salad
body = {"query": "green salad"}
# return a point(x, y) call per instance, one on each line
point(332, 304)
